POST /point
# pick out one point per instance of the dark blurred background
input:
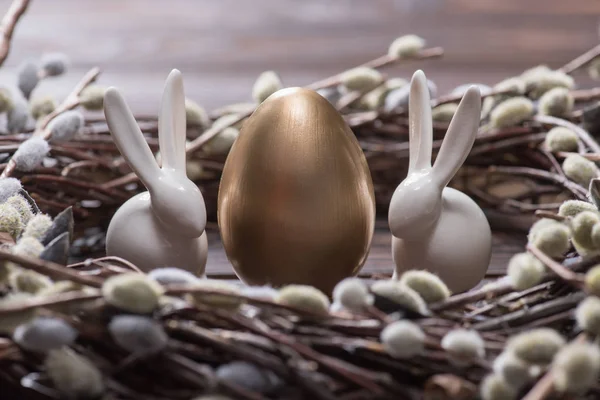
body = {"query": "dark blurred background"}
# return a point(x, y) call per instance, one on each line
point(222, 45)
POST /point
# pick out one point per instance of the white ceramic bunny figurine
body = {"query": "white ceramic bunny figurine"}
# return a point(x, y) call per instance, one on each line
point(165, 226)
point(434, 227)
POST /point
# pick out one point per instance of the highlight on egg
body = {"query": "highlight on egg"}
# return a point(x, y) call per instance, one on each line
point(296, 201)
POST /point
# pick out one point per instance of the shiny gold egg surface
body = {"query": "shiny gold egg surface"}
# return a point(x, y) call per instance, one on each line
point(296, 201)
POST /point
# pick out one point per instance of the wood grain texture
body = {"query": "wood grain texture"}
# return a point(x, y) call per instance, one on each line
point(222, 46)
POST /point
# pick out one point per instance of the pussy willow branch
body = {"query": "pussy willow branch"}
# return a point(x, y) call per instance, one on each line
point(70, 102)
point(8, 24)
point(582, 133)
point(565, 274)
point(581, 61)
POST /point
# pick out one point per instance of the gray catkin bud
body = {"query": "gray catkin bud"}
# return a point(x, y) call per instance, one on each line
point(536, 346)
point(403, 339)
point(132, 292)
point(406, 46)
point(429, 286)
point(352, 294)
point(514, 86)
point(6, 102)
point(561, 139)
point(266, 84)
point(571, 208)
point(576, 367)
point(581, 227)
point(511, 112)
point(31, 153)
point(464, 343)
point(587, 315)
point(54, 64)
point(27, 77)
point(552, 240)
point(74, 375)
point(579, 169)
point(92, 97)
point(10, 220)
point(400, 294)
point(196, 115)
point(525, 271)
point(248, 376)
point(304, 297)
point(66, 126)
point(44, 334)
point(17, 117)
point(593, 69)
point(37, 226)
point(39, 107)
point(9, 187)
point(361, 78)
point(494, 387)
point(138, 334)
point(444, 113)
point(557, 102)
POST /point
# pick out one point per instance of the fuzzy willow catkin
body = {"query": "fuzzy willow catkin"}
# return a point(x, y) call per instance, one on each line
point(92, 97)
point(511, 112)
point(557, 102)
point(66, 126)
point(41, 106)
point(266, 84)
point(525, 271)
point(579, 169)
point(429, 286)
point(400, 294)
point(406, 46)
point(403, 339)
point(561, 139)
point(304, 297)
point(31, 153)
point(361, 78)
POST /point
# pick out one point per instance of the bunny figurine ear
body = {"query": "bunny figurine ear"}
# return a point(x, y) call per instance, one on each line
point(459, 138)
point(419, 125)
point(171, 123)
point(129, 138)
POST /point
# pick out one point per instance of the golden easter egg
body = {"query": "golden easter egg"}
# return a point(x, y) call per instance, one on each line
point(296, 201)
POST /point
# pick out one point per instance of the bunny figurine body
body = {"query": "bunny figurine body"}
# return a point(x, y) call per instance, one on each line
point(434, 227)
point(164, 226)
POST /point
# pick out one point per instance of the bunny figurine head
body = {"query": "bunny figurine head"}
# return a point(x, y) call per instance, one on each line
point(434, 227)
point(165, 225)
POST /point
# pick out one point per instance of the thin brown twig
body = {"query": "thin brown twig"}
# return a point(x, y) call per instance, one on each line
point(565, 274)
point(581, 61)
point(582, 133)
point(8, 24)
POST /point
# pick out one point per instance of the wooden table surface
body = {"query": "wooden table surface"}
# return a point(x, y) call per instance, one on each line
point(222, 46)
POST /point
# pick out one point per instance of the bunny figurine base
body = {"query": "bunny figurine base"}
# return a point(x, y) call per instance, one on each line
point(434, 227)
point(164, 226)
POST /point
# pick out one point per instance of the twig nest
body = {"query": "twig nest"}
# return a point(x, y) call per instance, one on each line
point(172, 276)
point(429, 286)
point(9, 322)
point(592, 281)
point(361, 79)
point(27, 77)
point(557, 102)
point(444, 113)
point(195, 115)
point(43, 334)
point(266, 84)
point(264, 292)
point(6, 102)
point(494, 387)
point(464, 344)
point(525, 271)
point(38, 226)
point(514, 86)
point(132, 292)
point(31, 153)
point(74, 375)
point(17, 116)
point(536, 346)
point(28, 246)
point(304, 297)
point(561, 139)
point(10, 220)
point(403, 339)
point(230, 300)
point(9, 187)
point(542, 81)
point(553, 240)
point(23, 280)
point(576, 367)
point(593, 69)
point(512, 369)
point(571, 208)
point(138, 334)
point(248, 376)
point(406, 46)
point(511, 112)
point(54, 64)
point(41, 106)
point(581, 227)
point(352, 294)
point(400, 294)
point(587, 315)
point(66, 126)
point(580, 169)
point(92, 97)
point(22, 206)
